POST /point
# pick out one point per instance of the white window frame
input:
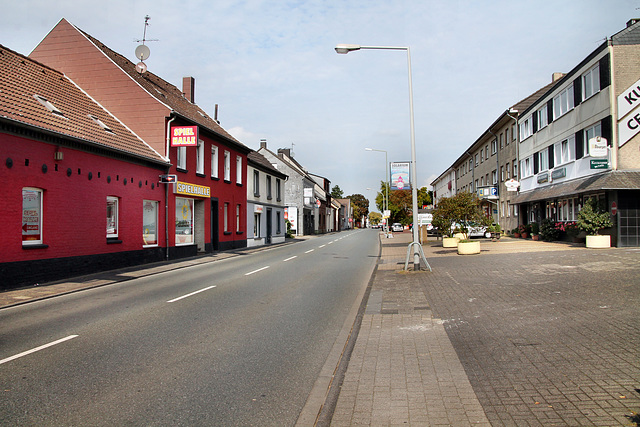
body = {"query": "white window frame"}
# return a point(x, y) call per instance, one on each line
point(227, 166)
point(543, 160)
point(526, 130)
point(189, 217)
point(112, 232)
point(149, 213)
point(494, 177)
point(564, 151)
point(256, 183)
point(563, 102)
point(542, 117)
point(238, 212)
point(494, 145)
point(238, 170)
point(526, 167)
point(591, 82)
point(214, 162)
point(181, 162)
point(590, 132)
point(256, 225)
point(200, 157)
point(33, 210)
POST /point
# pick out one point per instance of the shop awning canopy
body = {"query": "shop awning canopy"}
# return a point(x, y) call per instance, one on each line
point(612, 180)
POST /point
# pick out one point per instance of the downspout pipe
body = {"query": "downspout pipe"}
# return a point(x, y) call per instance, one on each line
point(166, 194)
point(515, 119)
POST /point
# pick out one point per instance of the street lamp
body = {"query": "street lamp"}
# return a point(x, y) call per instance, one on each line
point(346, 48)
point(385, 205)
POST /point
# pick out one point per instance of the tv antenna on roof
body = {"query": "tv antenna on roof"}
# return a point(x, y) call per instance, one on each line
point(143, 51)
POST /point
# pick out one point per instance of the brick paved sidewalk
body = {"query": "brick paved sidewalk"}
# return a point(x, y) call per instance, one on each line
point(403, 369)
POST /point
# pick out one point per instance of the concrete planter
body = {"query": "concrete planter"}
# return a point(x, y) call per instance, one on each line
point(468, 248)
point(598, 242)
point(450, 242)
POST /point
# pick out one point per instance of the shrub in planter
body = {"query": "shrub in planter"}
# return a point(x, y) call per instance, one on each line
point(548, 230)
point(592, 219)
point(535, 230)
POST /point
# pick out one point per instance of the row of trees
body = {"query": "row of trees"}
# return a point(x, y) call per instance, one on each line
point(359, 203)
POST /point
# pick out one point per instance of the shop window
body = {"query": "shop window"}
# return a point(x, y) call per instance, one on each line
point(149, 223)
point(256, 225)
point(214, 162)
point(112, 217)
point(184, 221)
point(31, 216)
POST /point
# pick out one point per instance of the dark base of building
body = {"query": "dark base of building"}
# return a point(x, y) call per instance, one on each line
point(29, 273)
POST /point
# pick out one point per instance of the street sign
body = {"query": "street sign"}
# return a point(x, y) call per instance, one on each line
point(168, 179)
point(614, 208)
point(599, 164)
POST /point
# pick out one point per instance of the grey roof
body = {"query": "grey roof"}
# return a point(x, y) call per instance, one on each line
point(628, 36)
point(261, 162)
point(611, 180)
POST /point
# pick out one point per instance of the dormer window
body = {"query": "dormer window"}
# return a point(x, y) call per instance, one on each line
point(48, 105)
point(100, 123)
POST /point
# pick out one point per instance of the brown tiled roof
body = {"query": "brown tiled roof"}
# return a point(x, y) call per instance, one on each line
point(261, 161)
point(165, 92)
point(22, 79)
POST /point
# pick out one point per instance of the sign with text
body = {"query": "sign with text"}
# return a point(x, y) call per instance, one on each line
point(599, 164)
point(629, 127)
point(629, 100)
point(598, 147)
point(184, 136)
point(187, 189)
point(400, 175)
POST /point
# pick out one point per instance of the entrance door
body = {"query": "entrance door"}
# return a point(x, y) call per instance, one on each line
point(215, 241)
point(267, 239)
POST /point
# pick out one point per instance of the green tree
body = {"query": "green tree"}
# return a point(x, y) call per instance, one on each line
point(462, 210)
point(375, 218)
point(336, 192)
point(401, 203)
point(360, 205)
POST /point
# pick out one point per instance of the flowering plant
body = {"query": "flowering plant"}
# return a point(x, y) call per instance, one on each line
point(571, 228)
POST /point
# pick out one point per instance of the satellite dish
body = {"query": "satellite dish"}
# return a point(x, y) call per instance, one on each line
point(141, 67)
point(142, 52)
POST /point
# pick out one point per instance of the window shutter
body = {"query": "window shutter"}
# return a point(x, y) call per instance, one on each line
point(605, 72)
point(577, 91)
point(550, 111)
point(606, 129)
point(579, 144)
point(551, 158)
point(535, 163)
point(534, 120)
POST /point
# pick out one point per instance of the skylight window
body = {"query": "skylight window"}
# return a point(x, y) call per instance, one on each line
point(100, 123)
point(48, 105)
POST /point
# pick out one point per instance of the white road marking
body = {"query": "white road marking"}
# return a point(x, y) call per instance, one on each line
point(191, 294)
point(310, 250)
point(255, 271)
point(321, 246)
point(290, 258)
point(42, 347)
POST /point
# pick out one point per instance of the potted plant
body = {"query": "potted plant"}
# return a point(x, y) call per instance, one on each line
point(524, 230)
point(535, 231)
point(516, 232)
point(592, 220)
point(548, 230)
point(443, 221)
point(460, 211)
point(493, 231)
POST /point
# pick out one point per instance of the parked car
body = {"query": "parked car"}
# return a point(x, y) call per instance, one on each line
point(397, 227)
point(474, 230)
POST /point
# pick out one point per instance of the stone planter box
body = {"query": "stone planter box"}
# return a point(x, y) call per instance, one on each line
point(468, 248)
point(597, 242)
point(450, 242)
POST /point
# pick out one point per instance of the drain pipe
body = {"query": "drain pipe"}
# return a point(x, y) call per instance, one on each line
point(166, 194)
point(517, 178)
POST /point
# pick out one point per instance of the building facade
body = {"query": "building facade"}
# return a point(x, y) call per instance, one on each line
point(265, 202)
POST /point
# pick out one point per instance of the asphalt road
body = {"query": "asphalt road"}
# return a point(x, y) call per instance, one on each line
point(234, 342)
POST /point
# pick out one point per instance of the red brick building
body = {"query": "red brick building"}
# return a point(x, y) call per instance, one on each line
point(80, 189)
point(207, 207)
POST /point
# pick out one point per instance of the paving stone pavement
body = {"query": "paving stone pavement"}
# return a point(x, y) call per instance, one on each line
point(524, 334)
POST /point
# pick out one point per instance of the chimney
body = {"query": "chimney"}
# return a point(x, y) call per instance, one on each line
point(632, 21)
point(189, 89)
point(557, 76)
point(215, 115)
point(263, 143)
point(285, 151)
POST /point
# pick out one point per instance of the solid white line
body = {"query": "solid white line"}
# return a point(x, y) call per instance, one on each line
point(42, 347)
point(255, 271)
point(192, 293)
point(310, 250)
point(289, 259)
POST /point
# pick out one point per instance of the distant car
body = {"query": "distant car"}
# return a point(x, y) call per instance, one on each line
point(474, 230)
point(397, 227)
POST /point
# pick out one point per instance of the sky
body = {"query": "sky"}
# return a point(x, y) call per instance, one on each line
point(272, 69)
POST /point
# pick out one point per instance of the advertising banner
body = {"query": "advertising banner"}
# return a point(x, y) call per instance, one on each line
point(184, 136)
point(400, 176)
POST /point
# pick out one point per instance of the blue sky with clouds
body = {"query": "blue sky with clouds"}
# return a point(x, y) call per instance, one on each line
point(272, 69)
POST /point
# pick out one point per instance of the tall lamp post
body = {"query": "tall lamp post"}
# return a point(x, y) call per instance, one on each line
point(346, 48)
point(385, 205)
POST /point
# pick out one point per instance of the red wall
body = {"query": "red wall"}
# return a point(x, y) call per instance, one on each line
point(74, 207)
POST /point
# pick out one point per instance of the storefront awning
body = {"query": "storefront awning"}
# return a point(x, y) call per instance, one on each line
point(612, 180)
